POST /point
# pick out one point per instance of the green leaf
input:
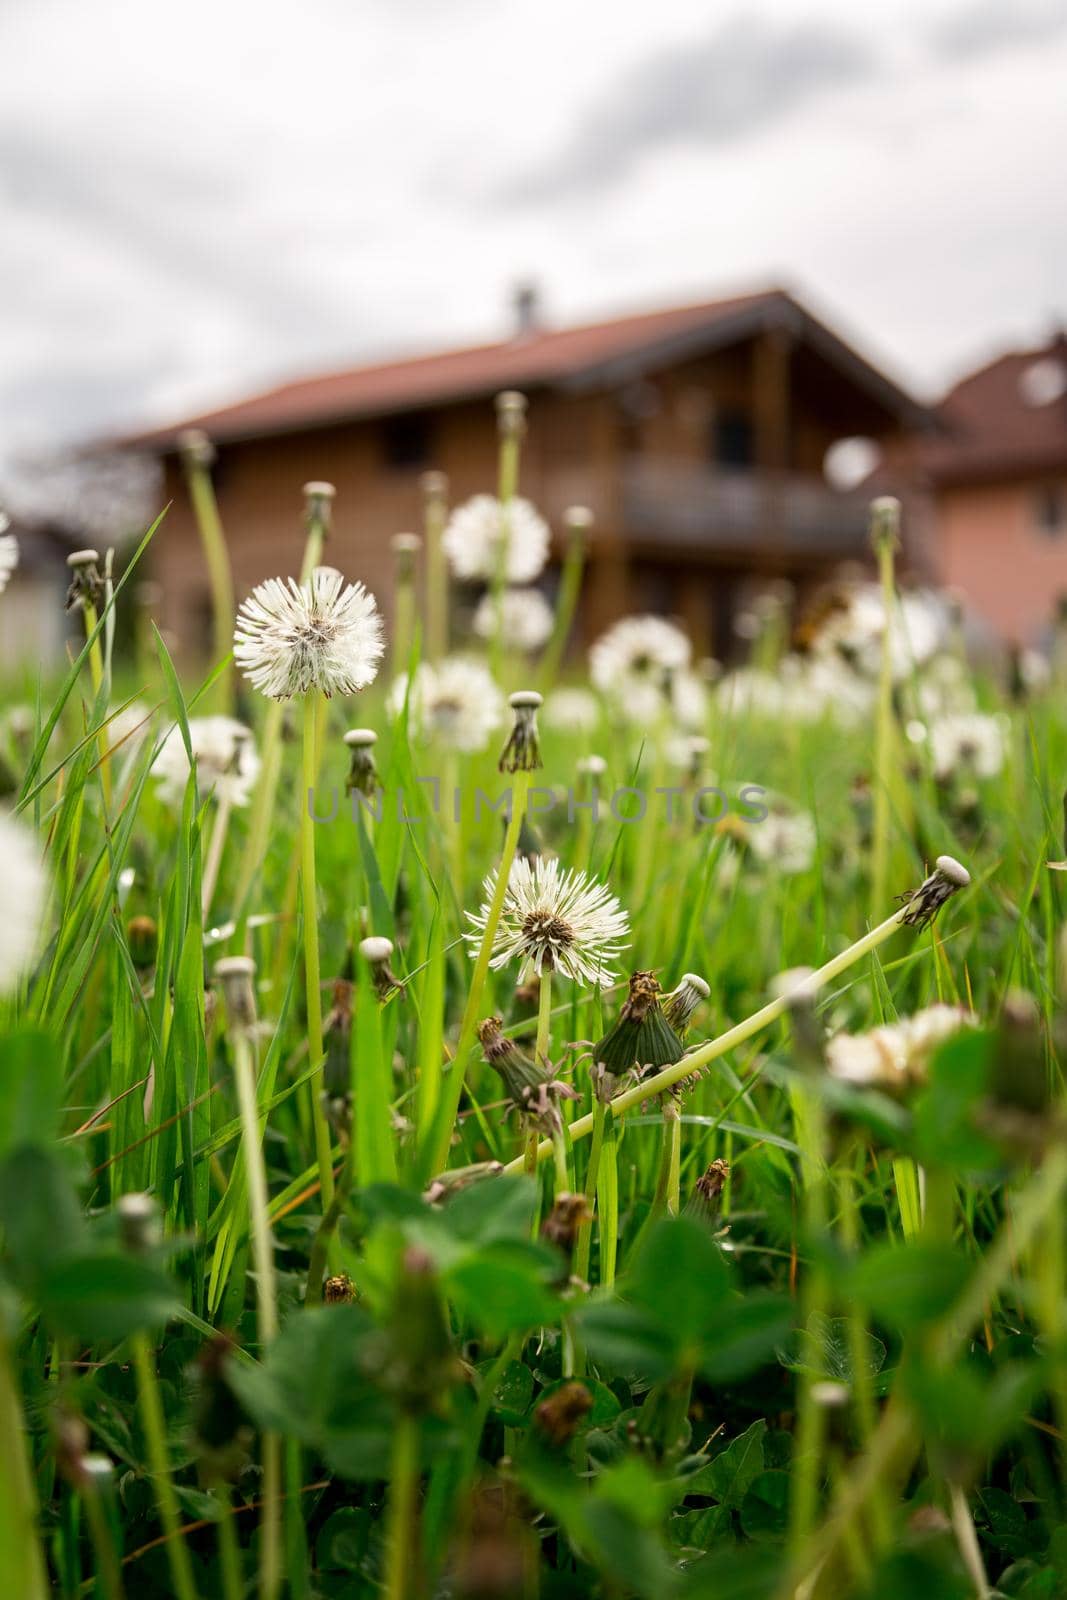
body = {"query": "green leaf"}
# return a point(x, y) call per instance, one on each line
point(342, 1543)
point(765, 1508)
point(513, 1394)
point(101, 1296)
point(31, 1088)
point(728, 1476)
point(908, 1285)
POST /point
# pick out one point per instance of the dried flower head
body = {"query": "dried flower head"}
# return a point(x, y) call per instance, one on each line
point(704, 1203)
point(236, 975)
point(564, 1222)
point(227, 764)
point(923, 903)
point(680, 1004)
point(86, 580)
point(558, 921)
point(325, 635)
point(482, 537)
point(641, 1036)
point(363, 771)
point(456, 702)
point(560, 1414)
point(376, 951)
point(531, 1088)
point(23, 889)
point(522, 753)
point(9, 553)
point(522, 617)
point(339, 1290)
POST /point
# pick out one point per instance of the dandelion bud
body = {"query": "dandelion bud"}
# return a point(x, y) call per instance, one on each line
point(377, 951)
point(318, 504)
point(885, 522)
point(679, 1005)
point(923, 903)
point(641, 1036)
point(86, 581)
point(405, 547)
point(577, 521)
point(236, 974)
point(196, 448)
point(338, 1290)
point(522, 753)
point(704, 1202)
point(511, 414)
point(434, 485)
point(140, 1229)
point(561, 1413)
point(363, 772)
point(531, 1088)
point(143, 939)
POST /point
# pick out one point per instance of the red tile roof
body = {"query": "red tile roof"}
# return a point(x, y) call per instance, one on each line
point(993, 429)
point(543, 357)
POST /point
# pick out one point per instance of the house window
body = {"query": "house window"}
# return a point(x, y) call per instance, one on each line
point(732, 441)
point(1051, 511)
point(406, 441)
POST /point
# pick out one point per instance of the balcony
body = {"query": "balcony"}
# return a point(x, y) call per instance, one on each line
point(694, 507)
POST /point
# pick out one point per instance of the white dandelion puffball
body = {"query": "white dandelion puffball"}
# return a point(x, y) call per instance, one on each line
point(456, 702)
point(9, 553)
point(477, 529)
point(226, 762)
point(525, 618)
point(969, 744)
point(854, 630)
point(784, 840)
point(23, 890)
point(636, 651)
point(325, 634)
point(129, 727)
point(558, 921)
point(572, 710)
point(897, 1054)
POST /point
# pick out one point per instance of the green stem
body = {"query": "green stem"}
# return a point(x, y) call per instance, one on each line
point(312, 974)
point(270, 1521)
point(436, 573)
point(570, 588)
point(216, 555)
point(230, 1565)
point(452, 1084)
point(20, 1547)
point(258, 1197)
point(583, 1248)
point(734, 1036)
point(402, 1527)
point(96, 673)
point(108, 1569)
point(210, 877)
point(883, 731)
point(151, 1407)
point(810, 1133)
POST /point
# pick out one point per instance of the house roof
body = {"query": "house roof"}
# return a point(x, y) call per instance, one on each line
point(1007, 419)
point(598, 353)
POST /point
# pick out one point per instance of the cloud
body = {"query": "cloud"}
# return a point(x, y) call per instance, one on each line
point(748, 74)
point(986, 27)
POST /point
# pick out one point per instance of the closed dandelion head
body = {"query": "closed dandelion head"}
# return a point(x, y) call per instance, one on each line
point(555, 920)
point(682, 1002)
point(377, 951)
point(318, 504)
point(483, 537)
point(236, 976)
point(456, 702)
point(362, 772)
point(522, 753)
point(640, 1037)
point(324, 635)
point(196, 448)
point(227, 764)
point(23, 889)
point(923, 903)
point(86, 580)
point(531, 1088)
point(9, 553)
point(405, 548)
point(521, 616)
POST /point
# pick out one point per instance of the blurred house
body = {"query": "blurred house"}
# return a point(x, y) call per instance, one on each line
point(33, 619)
point(702, 437)
point(996, 479)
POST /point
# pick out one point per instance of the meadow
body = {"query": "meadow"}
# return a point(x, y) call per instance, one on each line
point(486, 1118)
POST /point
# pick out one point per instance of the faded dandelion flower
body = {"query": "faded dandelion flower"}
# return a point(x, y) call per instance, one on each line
point(522, 753)
point(532, 1087)
point(226, 762)
point(363, 771)
point(897, 1055)
point(523, 618)
point(23, 888)
point(785, 840)
point(969, 744)
point(558, 921)
point(482, 536)
point(572, 710)
point(923, 903)
point(456, 702)
point(635, 661)
point(325, 634)
point(9, 553)
point(682, 1002)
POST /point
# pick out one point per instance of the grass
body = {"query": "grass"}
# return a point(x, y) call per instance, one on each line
point(350, 1355)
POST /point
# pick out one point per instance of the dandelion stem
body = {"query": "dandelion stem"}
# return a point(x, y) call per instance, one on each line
point(452, 1085)
point(20, 1547)
point(401, 1535)
point(258, 1197)
point(884, 529)
point(541, 1056)
point(729, 1040)
point(96, 673)
point(313, 980)
point(570, 588)
point(213, 542)
point(210, 877)
point(434, 488)
point(151, 1406)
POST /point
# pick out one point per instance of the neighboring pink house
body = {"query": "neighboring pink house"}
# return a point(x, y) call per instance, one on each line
point(997, 481)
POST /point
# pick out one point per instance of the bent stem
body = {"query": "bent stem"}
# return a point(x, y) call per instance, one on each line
point(694, 1062)
point(452, 1084)
point(312, 974)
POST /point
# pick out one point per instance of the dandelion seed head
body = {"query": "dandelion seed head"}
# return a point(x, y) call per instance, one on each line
point(477, 530)
point(23, 889)
point(227, 764)
point(324, 635)
point(572, 710)
point(523, 618)
point(455, 701)
point(967, 744)
point(557, 920)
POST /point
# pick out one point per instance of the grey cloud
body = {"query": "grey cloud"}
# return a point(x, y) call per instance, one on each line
point(749, 73)
point(986, 27)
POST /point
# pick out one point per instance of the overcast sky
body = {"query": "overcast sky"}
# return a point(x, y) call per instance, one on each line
point(197, 199)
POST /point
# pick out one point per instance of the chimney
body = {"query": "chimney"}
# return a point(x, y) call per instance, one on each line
point(526, 307)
